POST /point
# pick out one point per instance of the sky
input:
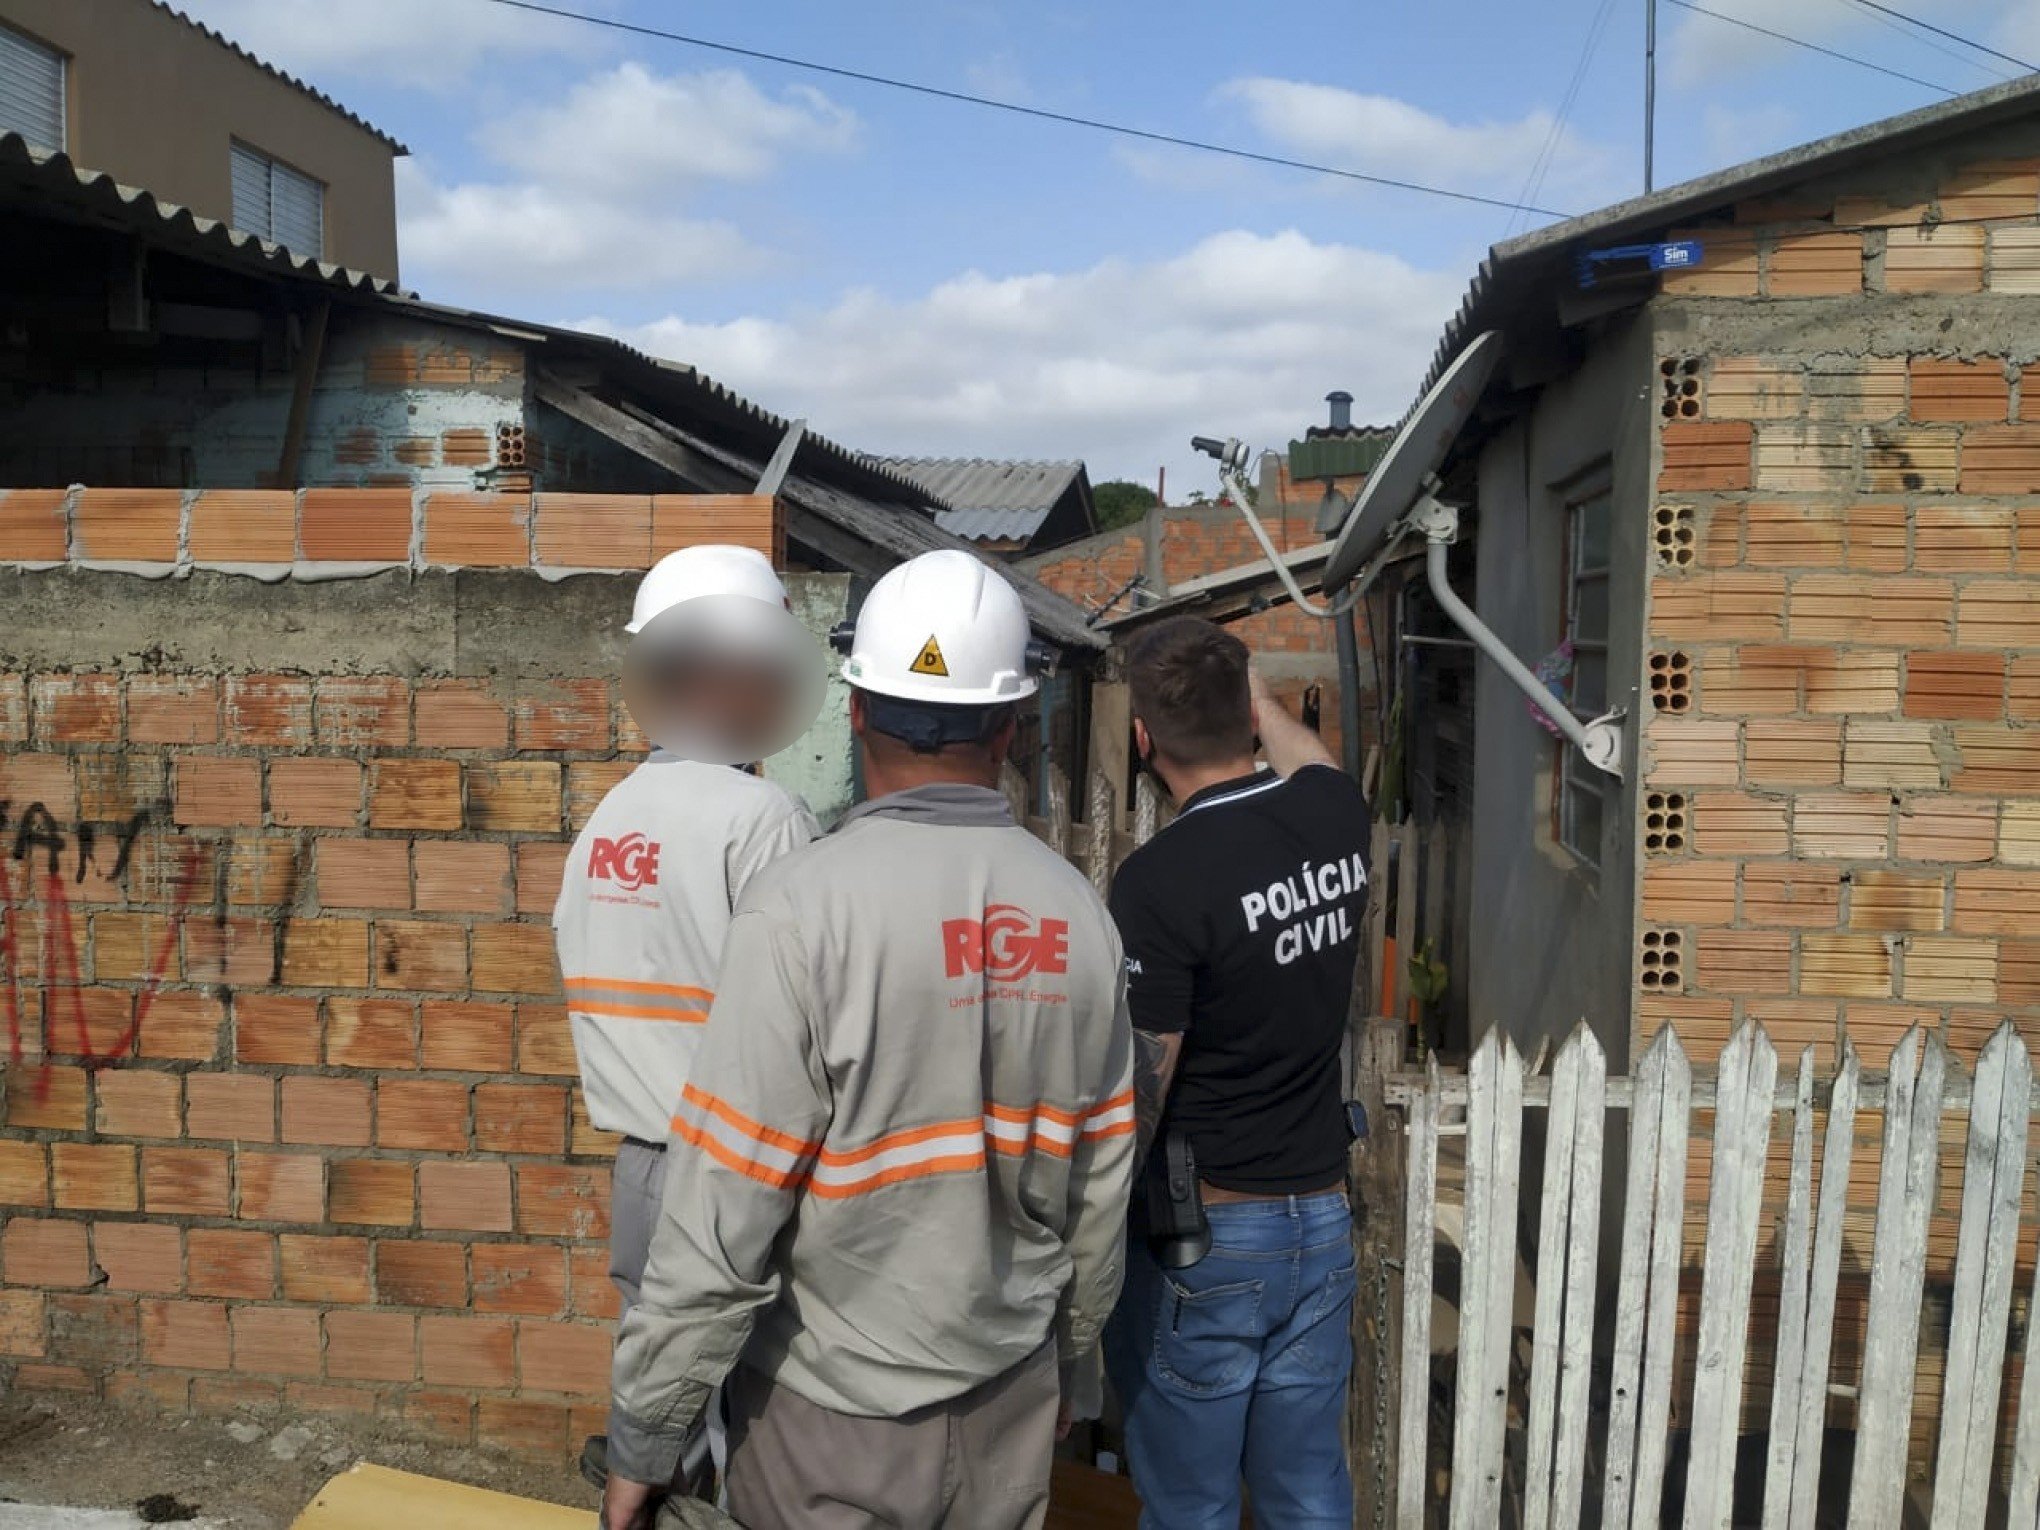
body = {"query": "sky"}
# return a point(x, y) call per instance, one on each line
point(918, 276)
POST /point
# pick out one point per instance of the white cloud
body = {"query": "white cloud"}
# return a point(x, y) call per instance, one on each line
point(424, 43)
point(1120, 363)
point(1386, 136)
point(633, 132)
point(598, 183)
point(528, 238)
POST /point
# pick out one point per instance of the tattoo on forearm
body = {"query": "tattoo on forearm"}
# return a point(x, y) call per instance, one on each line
point(1151, 1071)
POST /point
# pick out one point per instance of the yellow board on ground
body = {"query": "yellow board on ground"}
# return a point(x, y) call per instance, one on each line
point(367, 1497)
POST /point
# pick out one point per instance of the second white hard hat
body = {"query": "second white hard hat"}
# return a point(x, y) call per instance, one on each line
point(708, 569)
point(942, 628)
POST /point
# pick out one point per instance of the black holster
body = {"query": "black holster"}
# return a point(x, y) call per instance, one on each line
point(1178, 1232)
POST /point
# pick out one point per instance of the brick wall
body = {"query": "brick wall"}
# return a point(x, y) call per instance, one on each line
point(1843, 757)
point(289, 1113)
point(1200, 541)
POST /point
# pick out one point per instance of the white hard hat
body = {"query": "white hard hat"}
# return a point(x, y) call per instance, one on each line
point(707, 569)
point(942, 628)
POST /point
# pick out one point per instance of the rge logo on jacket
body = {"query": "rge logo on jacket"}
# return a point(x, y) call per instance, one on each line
point(1006, 945)
point(631, 862)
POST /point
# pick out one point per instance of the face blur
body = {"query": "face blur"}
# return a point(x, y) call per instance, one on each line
point(736, 702)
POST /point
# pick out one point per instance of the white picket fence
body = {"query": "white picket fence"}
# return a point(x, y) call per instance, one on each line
point(1545, 1482)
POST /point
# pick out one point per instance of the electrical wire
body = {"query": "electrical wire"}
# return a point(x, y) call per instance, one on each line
point(1042, 114)
point(1967, 42)
point(1786, 37)
point(1533, 183)
point(1967, 60)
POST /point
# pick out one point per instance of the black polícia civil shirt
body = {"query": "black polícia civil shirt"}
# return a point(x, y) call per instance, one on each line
point(1241, 921)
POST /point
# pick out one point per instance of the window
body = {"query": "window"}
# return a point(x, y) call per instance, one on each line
point(1583, 790)
point(31, 90)
point(278, 203)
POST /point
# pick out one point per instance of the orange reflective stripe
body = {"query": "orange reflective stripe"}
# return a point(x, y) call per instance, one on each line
point(957, 1164)
point(628, 985)
point(899, 1140)
point(635, 1012)
point(1111, 1129)
point(1117, 1102)
point(1021, 1115)
point(745, 1125)
point(729, 1158)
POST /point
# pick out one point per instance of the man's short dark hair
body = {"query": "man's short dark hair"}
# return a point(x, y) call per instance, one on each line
point(1188, 679)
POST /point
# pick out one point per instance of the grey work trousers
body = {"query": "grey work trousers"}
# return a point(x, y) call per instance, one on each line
point(978, 1462)
point(637, 1184)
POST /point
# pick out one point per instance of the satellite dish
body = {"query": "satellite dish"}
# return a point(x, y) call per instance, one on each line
point(1392, 488)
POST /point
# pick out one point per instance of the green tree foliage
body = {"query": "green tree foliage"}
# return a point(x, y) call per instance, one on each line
point(1120, 503)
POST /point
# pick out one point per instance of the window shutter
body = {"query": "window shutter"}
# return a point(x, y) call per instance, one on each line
point(31, 90)
point(297, 207)
point(250, 174)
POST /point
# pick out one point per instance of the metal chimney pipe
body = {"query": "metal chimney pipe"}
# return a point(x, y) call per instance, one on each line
point(1342, 409)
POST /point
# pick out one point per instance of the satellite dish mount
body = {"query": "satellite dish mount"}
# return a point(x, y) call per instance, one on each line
point(1400, 503)
point(1429, 517)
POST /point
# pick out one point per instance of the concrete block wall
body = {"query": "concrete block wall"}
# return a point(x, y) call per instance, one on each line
point(1841, 832)
point(288, 1115)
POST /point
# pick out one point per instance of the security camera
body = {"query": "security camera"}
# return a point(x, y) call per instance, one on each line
point(1232, 453)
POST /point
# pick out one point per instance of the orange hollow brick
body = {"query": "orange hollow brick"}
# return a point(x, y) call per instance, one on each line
point(467, 1351)
point(173, 709)
point(327, 1111)
point(541, 867)
point(467, 1197)
point(478, 530)
point(140, 1256)
point(415, 794)
point(40, 1251)
point(465, 1036)
point(516, 959)
point(50, 1096)
point(594, 530)
point(136, 1102)
point(1953, 390)
point(363, 873)
point(324, 1269)
point(33, 526)
point(185, 1182)
point(420, 1273)
point(276, 1341)
point(219, 791)
point(355, 525)
point(420, 955)
point(244, 526)
point(422, 1113)
point(1952, 829)
point(231, 1262)
point(94, 1176)
point(1996, 901)
point(1844, 966)
point(545, 1041)
point(562, 1200)
point(569, 1358)
point(316, 793)
point(1895, 900)
point(362, 711)
point(373, 1192)
point(1951, 969)
point(522, 1425)
point(24, 1174)
point(371, 1033)
point(520, 1118)
point(2001, 459)
point(564, 714)
point(280, 1187)
point(326, 953)
point(127, 525)
point(529, 1279)
point(190, 1336)
point(371, 1346)
point(1934, 258)
point(464, 877)
point(460, 714)
point(272, 1028)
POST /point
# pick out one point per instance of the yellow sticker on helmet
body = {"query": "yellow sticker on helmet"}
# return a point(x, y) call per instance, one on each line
point(929, 660)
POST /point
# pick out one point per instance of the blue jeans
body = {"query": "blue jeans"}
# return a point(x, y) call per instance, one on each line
point(1236, 1368)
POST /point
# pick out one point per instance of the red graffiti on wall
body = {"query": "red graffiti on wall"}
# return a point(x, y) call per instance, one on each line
point(58, 971)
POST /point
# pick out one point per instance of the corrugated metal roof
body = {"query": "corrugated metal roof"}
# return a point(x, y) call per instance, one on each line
point(985, 483)
point(92, 196)
point(992, 525)
point(275, 73)
point(993, 501)
point(1545, 250)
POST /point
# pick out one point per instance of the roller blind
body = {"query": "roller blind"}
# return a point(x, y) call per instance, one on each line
point(31, 90)
point(278, 203)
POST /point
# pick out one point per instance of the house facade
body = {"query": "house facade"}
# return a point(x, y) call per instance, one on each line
point(1779, 502)
point(140, 91)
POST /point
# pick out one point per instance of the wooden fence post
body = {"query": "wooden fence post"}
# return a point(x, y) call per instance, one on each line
point(1378, 1191)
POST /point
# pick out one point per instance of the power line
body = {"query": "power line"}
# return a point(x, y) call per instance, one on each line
point(1928, 26)
point(1797, 42)
point(1533, 183)
point(1040, 113)
point(1967, 60)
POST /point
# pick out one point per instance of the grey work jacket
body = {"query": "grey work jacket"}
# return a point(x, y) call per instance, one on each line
point(903, 1157)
